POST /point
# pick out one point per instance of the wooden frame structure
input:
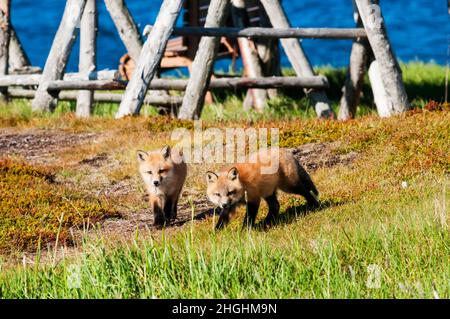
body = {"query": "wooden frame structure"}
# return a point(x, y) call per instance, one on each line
point(370, 39)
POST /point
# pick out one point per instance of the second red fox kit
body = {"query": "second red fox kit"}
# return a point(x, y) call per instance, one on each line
point(249, 183)
point(164, 172)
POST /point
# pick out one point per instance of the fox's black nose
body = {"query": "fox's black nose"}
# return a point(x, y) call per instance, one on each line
point(156, 183)
point(225, 205)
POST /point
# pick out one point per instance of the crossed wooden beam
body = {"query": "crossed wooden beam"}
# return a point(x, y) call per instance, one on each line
point(369, 37)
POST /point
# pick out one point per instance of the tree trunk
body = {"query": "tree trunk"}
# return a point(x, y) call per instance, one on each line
point(389, 72)
point(268, 52)
point(351, 92)
point(88, 43)
point(150, 58)
point(59, 54)
point(296, 56)
point(17, 56)
point(203, 63)
point(249, 55)
point(126, 27)
point(4, 41)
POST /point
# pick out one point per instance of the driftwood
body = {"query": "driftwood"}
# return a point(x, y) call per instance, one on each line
point(18, 59)
point(268, 52)
point(150, 58)
point(351, 92)
point(88, 41)
point(249, 54)
point(182, 84)
point(203, 63)
point(59, 54)
point(34, 79)
point(389, 71)
point(150, 99)
point(4, 40)
point(272, 33)
point(296, 56)
point(126, 27)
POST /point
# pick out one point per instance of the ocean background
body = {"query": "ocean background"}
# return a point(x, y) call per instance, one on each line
point(419, 29)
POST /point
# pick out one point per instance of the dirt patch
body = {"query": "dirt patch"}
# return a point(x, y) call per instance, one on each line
point(95, 161)
point(318, 155)
point(43, 147)
point(38, 146)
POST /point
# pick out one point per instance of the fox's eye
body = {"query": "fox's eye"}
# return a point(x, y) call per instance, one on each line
point(231, 193)
point(162, 171)
point(149, 172)
point(217, 194)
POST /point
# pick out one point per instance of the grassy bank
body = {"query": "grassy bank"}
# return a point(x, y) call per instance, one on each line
point(423, 82)
point(382, 230)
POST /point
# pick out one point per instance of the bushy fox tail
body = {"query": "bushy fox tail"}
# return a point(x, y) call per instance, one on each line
point(306, 186)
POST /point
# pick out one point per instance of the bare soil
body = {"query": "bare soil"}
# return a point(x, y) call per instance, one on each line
point(42, 146)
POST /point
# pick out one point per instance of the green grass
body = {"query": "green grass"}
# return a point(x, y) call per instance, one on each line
point(423, 82)
point(35, 210)
point(385, 213)
point(404, 241)
point(368, 220)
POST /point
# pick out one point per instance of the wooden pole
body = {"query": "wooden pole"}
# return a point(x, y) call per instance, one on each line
point(390, 76)
point(88, 44)
point(59, 54)
point(271, 33)
point(296, 56)
point(126, 27)
point(17, 56)
point(150, 99)
point(4, 41)
point(203, 63)
point(268, 52)
point(351, 91)
point(249, 55)
point(150, 58)
point(183, 85)
point(34, 79)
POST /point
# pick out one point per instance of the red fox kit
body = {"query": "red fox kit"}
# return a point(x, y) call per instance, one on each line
point(164, 173)
point(248, 182)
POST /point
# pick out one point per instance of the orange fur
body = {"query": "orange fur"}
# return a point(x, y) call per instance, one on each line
point(232, 185)
point(164, 173)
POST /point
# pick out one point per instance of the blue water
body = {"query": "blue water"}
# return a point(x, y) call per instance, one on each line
point(419, 29)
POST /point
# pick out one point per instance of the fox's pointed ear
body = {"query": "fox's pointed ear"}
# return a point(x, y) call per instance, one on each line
point(166, 151)
point(233, 174)
point(141, 156)
point(211, 177)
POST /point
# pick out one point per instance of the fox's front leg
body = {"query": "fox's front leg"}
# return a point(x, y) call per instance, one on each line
point(157, 207)
point(250, 215)
point(224, 217)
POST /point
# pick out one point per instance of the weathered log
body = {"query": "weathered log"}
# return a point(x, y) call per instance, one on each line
point(250, 59)
point(268, 52)
point(88, 54)
point(182, 84)
point(389, 71)
point(34, 79)
point(4, 40)
point(25, 70)
point(18, 59)
point(150, 58)
point(351, 92)
point(203, 63)
point(59, 54)
point(296, 56)
point(126, 27)
point(150, 99)
point(272, 33)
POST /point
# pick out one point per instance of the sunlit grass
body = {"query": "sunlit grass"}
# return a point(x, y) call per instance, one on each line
point(382, 231)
